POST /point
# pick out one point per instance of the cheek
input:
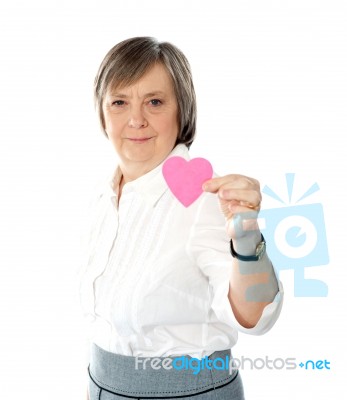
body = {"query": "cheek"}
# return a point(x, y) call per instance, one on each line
point(169, 125)
point(112, 125)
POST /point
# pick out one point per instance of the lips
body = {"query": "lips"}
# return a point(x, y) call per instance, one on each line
point(139, 140)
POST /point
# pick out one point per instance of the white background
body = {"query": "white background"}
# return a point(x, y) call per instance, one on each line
point(270, 78)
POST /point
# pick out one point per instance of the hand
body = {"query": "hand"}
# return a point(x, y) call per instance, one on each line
point(237, 194)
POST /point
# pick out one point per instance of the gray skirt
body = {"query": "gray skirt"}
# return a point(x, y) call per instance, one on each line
point(114, 376)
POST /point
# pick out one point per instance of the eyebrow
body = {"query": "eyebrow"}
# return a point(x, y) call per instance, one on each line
point(150, 94)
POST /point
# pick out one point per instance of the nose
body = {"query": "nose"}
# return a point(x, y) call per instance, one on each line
point(136, 119)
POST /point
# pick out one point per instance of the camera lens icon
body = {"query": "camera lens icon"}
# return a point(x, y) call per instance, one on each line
point(295, 236)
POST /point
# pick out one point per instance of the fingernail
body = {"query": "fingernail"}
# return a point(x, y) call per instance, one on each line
point(223, 194)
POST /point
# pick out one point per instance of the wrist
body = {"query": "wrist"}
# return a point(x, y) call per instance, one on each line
point(247, 244)
point(250, 247)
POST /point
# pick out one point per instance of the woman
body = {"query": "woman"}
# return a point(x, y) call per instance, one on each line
point(163, 281)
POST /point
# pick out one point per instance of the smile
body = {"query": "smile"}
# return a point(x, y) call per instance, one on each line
point(139, 140)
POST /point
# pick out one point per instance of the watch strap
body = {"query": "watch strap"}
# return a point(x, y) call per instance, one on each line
point(259, 252)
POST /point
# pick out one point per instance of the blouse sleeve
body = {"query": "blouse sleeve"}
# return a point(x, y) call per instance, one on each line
point(209, 248)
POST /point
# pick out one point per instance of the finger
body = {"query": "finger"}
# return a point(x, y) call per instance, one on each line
point(239, 184)
point(244, 196)
point(240, 181)
point(235, 208)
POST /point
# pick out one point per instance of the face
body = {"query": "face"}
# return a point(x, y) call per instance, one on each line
point(141, 121)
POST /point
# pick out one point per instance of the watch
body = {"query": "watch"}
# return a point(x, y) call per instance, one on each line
point(259, 251)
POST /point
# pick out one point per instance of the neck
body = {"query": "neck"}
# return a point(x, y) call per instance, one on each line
point(130, 174)
point(132, 170)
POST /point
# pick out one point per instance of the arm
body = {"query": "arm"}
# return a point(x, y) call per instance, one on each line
point(253, 284)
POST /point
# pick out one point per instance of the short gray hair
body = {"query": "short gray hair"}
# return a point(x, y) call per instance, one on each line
point(130, 59)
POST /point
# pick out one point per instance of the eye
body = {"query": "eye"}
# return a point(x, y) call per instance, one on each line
point(155, 102)
point(118, 103)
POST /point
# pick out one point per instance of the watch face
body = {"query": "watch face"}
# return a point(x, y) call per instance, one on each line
point(260, 249)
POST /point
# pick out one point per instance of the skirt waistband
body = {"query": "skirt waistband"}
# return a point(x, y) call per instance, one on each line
point(160, 377)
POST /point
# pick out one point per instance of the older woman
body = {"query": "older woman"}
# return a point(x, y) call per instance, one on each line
point(167, 287)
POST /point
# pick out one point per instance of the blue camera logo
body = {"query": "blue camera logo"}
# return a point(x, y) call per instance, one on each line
point(296, 239)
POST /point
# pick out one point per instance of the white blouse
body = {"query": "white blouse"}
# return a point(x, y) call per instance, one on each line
point(154, 279)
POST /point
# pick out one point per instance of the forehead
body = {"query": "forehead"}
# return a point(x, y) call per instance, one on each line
point(156, 79)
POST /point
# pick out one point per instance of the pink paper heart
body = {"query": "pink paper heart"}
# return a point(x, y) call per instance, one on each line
point(185, 178)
